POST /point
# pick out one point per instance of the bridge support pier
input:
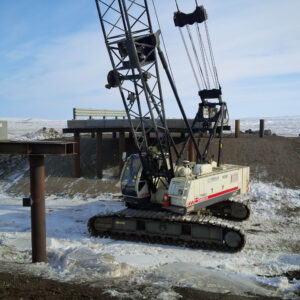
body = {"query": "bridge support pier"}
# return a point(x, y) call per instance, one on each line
point(99, 158)
point(77, 155)
point(122, 148)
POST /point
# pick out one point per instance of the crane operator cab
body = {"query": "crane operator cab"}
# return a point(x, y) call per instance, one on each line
point(134, 186)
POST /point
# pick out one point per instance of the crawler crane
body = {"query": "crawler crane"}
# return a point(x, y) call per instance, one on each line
point(169, 200)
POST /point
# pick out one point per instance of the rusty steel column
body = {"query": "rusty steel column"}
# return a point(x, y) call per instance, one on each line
point(122, 148)
point(130, 136)
point(191, 151)
point(237, 128)
point(261, 128)
point(114, 134)
point(38, 210)
point(77, 155)
point(148, 137)
point(99, 158)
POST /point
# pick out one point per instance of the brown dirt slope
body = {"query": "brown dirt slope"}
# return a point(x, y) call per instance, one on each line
point(13, 286)
point(271, 159)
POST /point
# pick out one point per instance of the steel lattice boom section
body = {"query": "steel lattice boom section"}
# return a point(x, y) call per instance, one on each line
point(131, 45)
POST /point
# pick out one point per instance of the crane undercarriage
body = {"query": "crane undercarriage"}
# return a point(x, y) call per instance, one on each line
point(199, 231)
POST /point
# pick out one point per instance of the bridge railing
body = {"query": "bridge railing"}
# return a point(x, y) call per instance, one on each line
point(92, 113)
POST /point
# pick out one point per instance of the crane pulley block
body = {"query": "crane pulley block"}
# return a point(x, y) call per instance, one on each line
point(144, 46)
point(198, 16)
point(210, 94)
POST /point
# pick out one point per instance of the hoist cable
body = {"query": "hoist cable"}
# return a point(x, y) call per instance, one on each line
point(196, 56)
point(210, 66)
point(190, 59)
point(203, 54)
point(163, 40)
point(211, 53)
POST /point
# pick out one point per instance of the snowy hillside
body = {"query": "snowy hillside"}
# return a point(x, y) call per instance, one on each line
point(285, 126)
point(31, 129)
point(28, 129)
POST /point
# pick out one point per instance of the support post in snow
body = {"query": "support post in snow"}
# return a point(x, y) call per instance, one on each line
point(261, 128)
point(237, 128)
point(38, 210)
point(37, 151)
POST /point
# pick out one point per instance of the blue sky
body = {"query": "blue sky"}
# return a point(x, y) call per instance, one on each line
point(52, 57)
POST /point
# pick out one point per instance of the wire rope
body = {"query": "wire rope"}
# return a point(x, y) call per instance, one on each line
point(196, 56)
point(163, 40)
point(203, 54)
point(208, 74)
point(190, 59)
point(211, 53)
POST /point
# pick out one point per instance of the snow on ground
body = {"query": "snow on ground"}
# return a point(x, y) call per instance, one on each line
point(288, 126)
point(32, 129)
point(272, 233)
point(272, 248)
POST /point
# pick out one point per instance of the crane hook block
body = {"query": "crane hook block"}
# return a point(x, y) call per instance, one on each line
point(198, 16)
point(210, 94)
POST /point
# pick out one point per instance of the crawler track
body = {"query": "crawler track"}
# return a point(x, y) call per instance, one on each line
point(235, 210)
point(193, 231)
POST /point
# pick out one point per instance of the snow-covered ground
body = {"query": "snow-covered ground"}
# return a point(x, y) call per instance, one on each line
point(288, 126)
point(30, 129)
point(272, 248)
point(272, 233)
point(34, 129)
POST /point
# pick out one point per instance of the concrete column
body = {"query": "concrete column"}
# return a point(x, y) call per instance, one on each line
point(122, 148)
point(237, 128)
point(99, 158)
point(261, 128)
point(38, 210)
point(77, 155)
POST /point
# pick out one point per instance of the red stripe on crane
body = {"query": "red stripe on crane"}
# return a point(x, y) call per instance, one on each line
point(197, 200)
point(223, 192)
